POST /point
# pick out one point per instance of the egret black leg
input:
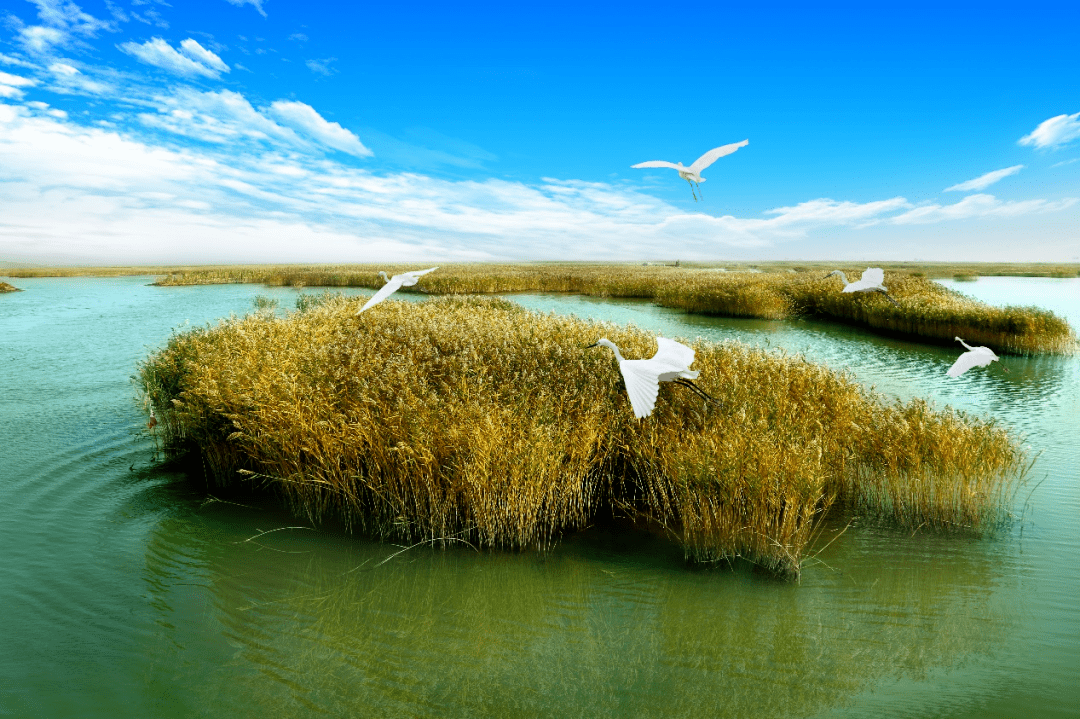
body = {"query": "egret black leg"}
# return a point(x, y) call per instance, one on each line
point(890, 298)
point(700, 392)
point(690, 182)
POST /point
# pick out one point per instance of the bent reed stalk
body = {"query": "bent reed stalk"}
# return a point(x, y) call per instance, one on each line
point(474, 418)
point(926, 309)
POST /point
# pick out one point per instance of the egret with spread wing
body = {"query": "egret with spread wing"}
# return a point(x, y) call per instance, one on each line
point(974, 357)
point(692, 174)
point(642, 377)
point(405, 279)
point(870, 281)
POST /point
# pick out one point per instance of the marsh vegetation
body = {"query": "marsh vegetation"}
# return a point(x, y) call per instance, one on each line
point(924, 308)
point(5, 287)
point(473, 419)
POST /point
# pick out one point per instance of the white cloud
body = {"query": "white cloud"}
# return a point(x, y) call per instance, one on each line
point(68, 79)
point(69, 16)
point(69, 181)
point(62, 68)
point(1055, 132)
point(15, 80)
point(979, 206)
point(257, 4)
point(193, 60)
point(227, 117)
point(39, 39)
point(10, 92)
point(224, 116)
point(321, 67)
point(828, 211)
point(198, 53)
point(983, 181)
point(61, 21)
point(92, 194)
point(304, 119)
point(9, 60)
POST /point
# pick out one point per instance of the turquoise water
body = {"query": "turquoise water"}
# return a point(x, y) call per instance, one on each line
point(128, 590)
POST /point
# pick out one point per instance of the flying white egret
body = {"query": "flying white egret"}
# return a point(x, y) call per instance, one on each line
point(642, 377)
point(870, 281)
point(974, 357)
point(692, 174)
point(405, 279)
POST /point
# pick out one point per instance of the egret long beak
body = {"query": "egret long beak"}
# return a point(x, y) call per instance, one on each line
point(594, 344)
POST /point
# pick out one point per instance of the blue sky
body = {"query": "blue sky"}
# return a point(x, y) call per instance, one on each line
point(273, 131)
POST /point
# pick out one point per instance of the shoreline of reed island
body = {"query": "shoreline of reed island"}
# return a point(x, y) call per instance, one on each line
point(474, 419)
point(5, 287)
point(925, 311)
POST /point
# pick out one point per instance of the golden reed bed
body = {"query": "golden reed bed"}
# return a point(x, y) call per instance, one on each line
point(471, 418)
point(926, 309)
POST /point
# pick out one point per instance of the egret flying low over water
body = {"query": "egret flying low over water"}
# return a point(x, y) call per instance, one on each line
point(974, 357)
point(642, 377)
point(870, 281)
point(405, 279)
point(692, 174)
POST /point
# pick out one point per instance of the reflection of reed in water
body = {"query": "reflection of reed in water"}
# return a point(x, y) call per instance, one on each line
point(452, 633)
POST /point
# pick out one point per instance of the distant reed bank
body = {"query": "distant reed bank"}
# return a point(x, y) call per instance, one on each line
point(471, 418)
point(926, 309)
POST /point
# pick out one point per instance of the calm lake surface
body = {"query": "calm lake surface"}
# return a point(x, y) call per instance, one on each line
point(128, 591)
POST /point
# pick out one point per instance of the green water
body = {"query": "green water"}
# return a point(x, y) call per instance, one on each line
point(127, 590)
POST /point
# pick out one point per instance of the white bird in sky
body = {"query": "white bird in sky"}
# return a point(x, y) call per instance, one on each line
point(692, 174)
point(870, 281)
point(642, 377)
point(974, 357)
point(405, 279)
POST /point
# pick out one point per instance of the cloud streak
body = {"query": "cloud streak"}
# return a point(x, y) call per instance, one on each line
point(979, 206)
point(983, 181)
point(257, 4)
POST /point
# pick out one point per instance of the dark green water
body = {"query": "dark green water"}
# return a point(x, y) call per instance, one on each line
point(127, 591)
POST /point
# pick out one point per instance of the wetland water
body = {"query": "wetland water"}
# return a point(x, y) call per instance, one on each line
point(127, 591)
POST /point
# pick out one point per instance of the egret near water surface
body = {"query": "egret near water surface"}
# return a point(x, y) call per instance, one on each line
point(405, 279)
point(870, 281)
point(692, 174)
point(642, 377)
point(974, 357)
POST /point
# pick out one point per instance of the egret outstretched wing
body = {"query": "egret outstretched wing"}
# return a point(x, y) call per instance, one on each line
point(676, 356)
point(408, 279)
point(871, 279)
point(974, 357)
point(873, 276)
point(385, 291)
point(642, 386)
point(405, 279)
point(715, 154)
point(656, 163)
point(968, 360)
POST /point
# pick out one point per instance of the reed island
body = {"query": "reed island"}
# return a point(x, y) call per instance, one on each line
point(5, 287)
point(470, 418)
